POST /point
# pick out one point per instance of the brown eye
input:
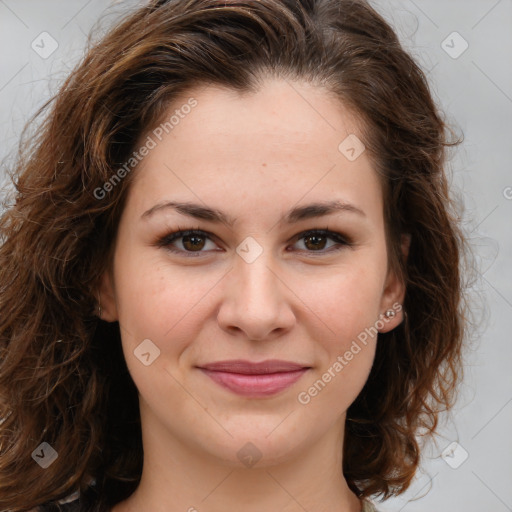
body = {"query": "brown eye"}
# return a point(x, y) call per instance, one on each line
point(316, 241)
point(192, 241)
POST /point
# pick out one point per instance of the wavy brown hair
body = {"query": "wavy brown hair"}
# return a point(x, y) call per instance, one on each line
point(63, 378)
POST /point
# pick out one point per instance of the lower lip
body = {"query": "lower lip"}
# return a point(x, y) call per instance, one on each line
point(255, 385)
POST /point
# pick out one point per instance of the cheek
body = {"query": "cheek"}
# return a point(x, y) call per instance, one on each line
point(332, 389)
point(159, 302)
point(348, 300)
point(163, 306)
point(349, 308)
point(346, 353)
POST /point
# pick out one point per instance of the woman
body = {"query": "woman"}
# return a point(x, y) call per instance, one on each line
point(230, 276)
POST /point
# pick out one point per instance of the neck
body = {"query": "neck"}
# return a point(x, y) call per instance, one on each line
point(182, 478)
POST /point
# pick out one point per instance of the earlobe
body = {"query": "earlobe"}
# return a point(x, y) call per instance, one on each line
point(391, 318)
point(107, 307)
point(392, 313)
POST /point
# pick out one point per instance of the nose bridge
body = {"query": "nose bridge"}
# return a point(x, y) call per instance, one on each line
point(256, 280)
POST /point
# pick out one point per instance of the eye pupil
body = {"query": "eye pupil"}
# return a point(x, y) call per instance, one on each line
point(193, 239)
point(316, 243)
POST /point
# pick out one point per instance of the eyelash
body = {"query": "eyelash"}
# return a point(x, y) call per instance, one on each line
point(168, 239)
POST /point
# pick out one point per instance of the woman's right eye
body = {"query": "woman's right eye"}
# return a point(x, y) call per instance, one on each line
point(192, 241)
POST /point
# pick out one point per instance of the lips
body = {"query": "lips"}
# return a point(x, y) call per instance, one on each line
point(249, 368)
point(255, 379)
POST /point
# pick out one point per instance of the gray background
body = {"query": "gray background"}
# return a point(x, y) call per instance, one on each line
point(475, 92)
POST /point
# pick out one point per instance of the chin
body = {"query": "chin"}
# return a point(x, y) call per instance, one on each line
point(258, 447)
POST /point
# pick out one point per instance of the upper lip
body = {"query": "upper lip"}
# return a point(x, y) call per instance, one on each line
point(252, 368)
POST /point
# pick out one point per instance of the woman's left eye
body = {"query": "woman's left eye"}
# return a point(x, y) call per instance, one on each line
point(317, 238)
point(194, 241)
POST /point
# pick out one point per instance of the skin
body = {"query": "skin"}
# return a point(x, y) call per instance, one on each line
point(254, 156)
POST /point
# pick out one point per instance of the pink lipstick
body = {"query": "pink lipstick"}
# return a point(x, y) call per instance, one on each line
point(252, 379)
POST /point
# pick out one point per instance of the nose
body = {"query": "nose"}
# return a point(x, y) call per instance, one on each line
point(256, 300)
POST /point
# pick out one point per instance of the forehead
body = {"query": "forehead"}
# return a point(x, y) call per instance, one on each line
point(285, 141)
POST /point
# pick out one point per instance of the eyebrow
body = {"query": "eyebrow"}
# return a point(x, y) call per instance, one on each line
point(296, 214)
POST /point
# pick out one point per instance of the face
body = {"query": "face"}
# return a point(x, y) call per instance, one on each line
point(261, 277)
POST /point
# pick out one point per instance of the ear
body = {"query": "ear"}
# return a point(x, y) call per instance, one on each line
point(394, 294)
point(107, 298)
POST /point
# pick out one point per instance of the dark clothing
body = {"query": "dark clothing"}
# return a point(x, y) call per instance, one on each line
point(88, 501)
point(73, 506)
